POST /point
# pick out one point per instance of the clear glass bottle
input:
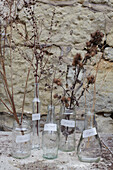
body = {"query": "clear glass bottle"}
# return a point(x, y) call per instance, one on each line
point(89, 146)
point(21, 139)
point(50, 136)
point(36, 119)
point(67, 129)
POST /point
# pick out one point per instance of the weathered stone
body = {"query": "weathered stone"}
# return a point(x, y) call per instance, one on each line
point(99, 1)
point(98, 7)
point(72, 26)
point(109, 54)
point(110, 39)
point(104, 121)
point(65, 160)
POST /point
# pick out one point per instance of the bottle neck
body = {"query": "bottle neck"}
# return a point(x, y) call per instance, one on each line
point(90, 120)
point(64, 110)
point(51, 114)
point(36, 90)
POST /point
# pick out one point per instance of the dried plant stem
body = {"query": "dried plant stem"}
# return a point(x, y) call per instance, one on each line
point(29, 69)
point(94, 96)
point(52, 89)
point(5, 88)
point(11, 59)
point(6, 106)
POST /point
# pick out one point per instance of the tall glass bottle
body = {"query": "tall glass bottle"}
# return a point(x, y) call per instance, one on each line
point(67, 129)
point(89, 146)
point(50, 136)
point(36, 119)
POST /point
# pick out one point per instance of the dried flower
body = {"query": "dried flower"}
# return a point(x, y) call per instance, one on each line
point(57, 81)
point(91, 79)
point(76, 59)
point(55, 96)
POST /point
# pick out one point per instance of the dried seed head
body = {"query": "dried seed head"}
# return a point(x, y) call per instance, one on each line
point(55, 95)
point(63, 99)
point(57, 81)
point(76, 59)
point(91, 79)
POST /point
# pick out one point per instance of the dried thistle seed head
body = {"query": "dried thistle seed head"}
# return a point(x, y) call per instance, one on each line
point(63, 99)
point(57, 81)
point(55, 95)
point(76, 59)
point(91, 79)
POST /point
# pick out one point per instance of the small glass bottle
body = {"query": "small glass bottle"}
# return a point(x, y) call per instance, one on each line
point(36, 119)
point(89, 146)
point(50, 136)
point(67, 129)
point(21, 139)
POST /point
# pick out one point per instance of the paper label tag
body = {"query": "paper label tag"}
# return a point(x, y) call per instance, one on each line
point(89, 132)
point(68, 123)
point(50, 127)
point(36, 116)
point(67, 113)
point(23, 138)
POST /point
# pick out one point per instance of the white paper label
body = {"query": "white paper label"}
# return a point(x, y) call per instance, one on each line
point(68, 123)
point(36, 116)
point(67, 113)
point(89, 132)
point(50, 127)
point(23, 138)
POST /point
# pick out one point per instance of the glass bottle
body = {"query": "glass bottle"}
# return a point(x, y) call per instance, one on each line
point(50, 136)
point(36, 119)
point(89, 146)
point(67, 129)
point(21, 139)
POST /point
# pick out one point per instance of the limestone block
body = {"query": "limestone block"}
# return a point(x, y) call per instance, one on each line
point(72, 26)
point(110, 39)
point(109, 54)
point(102, 121)
point(111, 1)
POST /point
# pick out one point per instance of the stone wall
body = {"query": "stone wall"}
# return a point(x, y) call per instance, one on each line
point(73, 23)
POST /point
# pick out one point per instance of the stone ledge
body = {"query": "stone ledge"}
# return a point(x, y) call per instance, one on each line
point(65, 161)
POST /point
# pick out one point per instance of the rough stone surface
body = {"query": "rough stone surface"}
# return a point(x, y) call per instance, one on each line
point(65, 160)
point(109, 54)
point(72, 27)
